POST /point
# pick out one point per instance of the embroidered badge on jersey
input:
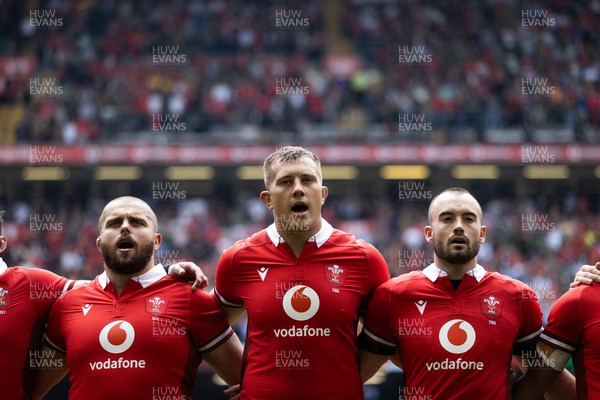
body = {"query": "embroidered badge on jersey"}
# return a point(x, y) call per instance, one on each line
point(4, 300)
point(335, 275)
point(491, 307)
point(156, 305)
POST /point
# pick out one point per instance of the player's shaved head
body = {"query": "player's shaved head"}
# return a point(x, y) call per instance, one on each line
point(458, 191)
point(128, 202)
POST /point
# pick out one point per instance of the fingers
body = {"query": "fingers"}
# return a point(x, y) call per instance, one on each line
point(233, 392)
point(201, 282)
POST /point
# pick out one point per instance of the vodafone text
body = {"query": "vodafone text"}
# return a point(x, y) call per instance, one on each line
point(117, 364)
point(305, 331)
point(459, 364)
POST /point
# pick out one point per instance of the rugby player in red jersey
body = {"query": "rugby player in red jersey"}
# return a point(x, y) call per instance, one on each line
point(134, 332)
point(303, 284)
point(454, 327)
point(573, 330)
point(26, 295)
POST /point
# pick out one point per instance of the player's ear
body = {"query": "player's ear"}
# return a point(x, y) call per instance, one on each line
point(428, 234)
point(2, 243)
point(265, 197)
point(98, 243)
point(482, 232)
point(324, 194)
point(157, 240)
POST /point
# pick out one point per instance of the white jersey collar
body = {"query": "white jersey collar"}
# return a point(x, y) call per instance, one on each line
point(146, 279)
point(319, 238)
point(433, 272)
point(3, 266)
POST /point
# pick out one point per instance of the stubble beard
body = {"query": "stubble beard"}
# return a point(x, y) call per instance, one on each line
point(131, 264)
point(455, 257)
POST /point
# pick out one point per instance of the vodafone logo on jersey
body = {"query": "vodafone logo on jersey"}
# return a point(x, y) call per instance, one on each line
point(301, 303)
point(117, 336)
point(457, 336)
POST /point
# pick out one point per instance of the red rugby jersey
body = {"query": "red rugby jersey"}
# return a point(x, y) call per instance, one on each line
point(302, 312)
point(26, 295)
point(453, 344)
point(144, 344)
point(574, 327)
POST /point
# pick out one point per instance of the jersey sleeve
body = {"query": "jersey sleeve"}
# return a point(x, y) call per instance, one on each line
point(377, 274)
point(45, 287)
point(208, 322)
point(225, 288)
point(53, 335)
point(44, 280)
point(530, 318)
point(377, 336)
point(564, 322)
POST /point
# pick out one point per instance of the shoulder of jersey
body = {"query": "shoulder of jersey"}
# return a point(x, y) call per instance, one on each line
point(404, 280)
point(506, 282)
point(341, 238)
point(260, 238)
point(81, 290)
point(18, 269)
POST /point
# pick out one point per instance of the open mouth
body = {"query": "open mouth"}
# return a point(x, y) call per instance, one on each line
point(459, 240)
point(299, 208)
point(125, 244)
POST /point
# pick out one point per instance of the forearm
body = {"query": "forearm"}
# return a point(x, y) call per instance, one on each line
point(46, 378)
point(563, 387)
point(226, 360)
point(370, 363)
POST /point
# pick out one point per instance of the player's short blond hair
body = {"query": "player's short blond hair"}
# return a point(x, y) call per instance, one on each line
point(287, 154)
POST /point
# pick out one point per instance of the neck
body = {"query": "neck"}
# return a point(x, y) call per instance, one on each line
point(295, 242)
point(297, 239)
point(119, 281)
point(455, 271)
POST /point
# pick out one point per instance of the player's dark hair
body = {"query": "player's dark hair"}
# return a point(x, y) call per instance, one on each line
point(287, 154)
point(1, 220)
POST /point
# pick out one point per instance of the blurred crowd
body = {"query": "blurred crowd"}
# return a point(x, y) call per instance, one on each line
point(259, 71)
point(542, 244)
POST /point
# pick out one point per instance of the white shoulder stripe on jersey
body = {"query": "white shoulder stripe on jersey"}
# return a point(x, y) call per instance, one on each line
point(67, 285)
point(51, 343)
point(528, 337)
point(558, 343)
point(224, 301)
point(215, 340)
point(377, 338)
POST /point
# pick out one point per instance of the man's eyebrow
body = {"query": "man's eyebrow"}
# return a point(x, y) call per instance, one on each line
point(445, 213)
point(107, 220)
